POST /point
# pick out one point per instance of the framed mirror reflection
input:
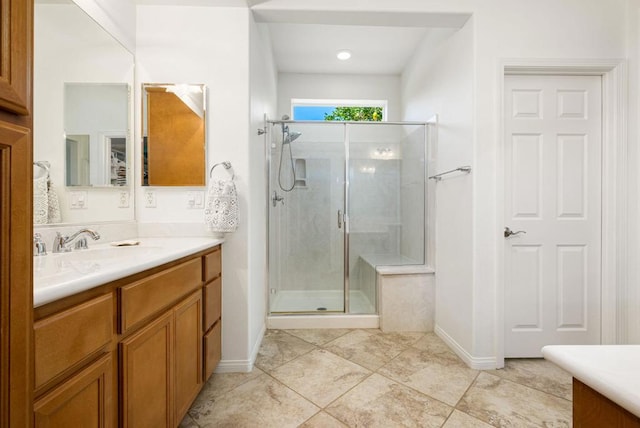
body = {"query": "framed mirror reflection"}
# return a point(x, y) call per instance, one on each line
point(173, 134)
point(96, 129)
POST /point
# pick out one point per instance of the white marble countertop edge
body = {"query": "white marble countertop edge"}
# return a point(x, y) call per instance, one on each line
point(172, 249)
point(605, 375)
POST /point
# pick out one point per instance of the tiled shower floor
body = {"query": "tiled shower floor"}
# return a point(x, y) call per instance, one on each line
point(366, 378)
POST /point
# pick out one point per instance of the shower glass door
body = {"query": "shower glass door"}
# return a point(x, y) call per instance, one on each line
point(306, 223)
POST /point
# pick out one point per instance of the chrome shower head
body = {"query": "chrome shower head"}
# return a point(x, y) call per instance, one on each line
point(291, 136)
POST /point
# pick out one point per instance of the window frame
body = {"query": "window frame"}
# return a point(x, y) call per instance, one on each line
point(312, 102)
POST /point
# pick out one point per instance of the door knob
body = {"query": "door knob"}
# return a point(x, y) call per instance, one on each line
point(508, 232)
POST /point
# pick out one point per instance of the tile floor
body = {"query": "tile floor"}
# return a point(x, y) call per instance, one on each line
point(366, 378)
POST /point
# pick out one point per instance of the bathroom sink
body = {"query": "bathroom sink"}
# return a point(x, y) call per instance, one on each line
point(58, 275)
point(109, 254)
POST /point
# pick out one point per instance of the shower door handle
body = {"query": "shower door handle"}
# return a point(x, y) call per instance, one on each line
point(339, 219)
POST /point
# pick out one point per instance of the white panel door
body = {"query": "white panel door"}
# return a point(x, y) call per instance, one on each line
point(553, 194)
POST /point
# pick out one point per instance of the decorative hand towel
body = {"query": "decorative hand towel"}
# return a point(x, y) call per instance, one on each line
point(221, 213)
point(53, 204)
point(40, 200)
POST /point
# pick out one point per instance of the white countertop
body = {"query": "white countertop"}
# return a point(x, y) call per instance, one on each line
point(60, 275)
point(612, 370)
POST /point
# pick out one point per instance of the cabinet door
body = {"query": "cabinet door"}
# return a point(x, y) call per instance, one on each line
point(212, 349)
point(213, 303)
point(84, 400)
point(15, 61)
point(16, 213)
point(147, 373)
point(188, 352)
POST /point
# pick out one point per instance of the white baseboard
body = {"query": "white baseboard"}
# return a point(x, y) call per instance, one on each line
point(477, 363)
point(256, 345)
point(234, 366)
point(242, 366)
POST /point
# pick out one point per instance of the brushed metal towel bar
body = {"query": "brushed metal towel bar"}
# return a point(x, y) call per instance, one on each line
point(438, 177)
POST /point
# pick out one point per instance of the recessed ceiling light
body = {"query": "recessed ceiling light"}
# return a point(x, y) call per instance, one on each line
point(343, 55)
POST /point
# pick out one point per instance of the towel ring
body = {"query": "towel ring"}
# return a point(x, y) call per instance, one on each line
point(226, 165)
point(43, 164)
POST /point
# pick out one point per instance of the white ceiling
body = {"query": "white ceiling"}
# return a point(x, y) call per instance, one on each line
point(381, 42)
point(312, 48)
point(306, 41)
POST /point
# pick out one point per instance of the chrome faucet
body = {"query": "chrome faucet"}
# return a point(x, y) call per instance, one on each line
point(40, 246)
point(60, 242)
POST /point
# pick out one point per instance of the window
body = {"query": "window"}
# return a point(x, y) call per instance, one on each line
point(339, 110)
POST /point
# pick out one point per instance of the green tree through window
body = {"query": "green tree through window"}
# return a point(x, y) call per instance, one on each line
point(358, 114)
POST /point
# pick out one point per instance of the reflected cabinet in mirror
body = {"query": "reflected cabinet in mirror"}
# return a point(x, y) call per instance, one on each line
point(82, 113)
point(173, 134)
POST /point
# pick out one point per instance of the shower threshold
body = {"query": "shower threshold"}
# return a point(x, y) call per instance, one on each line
point(321, 321)
point(320, 302)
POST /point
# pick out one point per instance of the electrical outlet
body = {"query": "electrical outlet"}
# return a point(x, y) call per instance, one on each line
point(195, 200)
point(123, 200)
point(150, 199)
point(78, 200)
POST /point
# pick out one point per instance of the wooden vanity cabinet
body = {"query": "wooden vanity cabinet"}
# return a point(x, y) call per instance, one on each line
point(131, 353)
point(74, 367)
point(212, 327)
point(147, 374)
point(84, 400)
point(161, 367)
point(593, 410)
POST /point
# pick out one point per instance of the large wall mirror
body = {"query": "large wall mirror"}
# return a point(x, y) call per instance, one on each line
point(83, 79)
point(173, 135)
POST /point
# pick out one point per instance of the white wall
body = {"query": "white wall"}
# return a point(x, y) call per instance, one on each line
point(208, 45)
point(337, 86)
point(521, 29)
point(439, 80)
point(501, 29)
point(263, 93)
point(118, 17)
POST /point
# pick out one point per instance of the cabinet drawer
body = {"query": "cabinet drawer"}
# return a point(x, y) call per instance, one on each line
point(212, 350)
point(85, 400)
point(213, 265)
point(65, 339)
point(148, 296)
point(213, 303)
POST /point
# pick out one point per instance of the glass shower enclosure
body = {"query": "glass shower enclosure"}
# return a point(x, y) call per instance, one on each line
point(344, 198)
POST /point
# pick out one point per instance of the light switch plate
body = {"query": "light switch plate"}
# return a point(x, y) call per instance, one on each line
point(150, 199)
point(195, 199)
point(78, 200)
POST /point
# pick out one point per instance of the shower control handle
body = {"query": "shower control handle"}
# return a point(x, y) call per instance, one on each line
point(275, 198)
point(339, 219)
